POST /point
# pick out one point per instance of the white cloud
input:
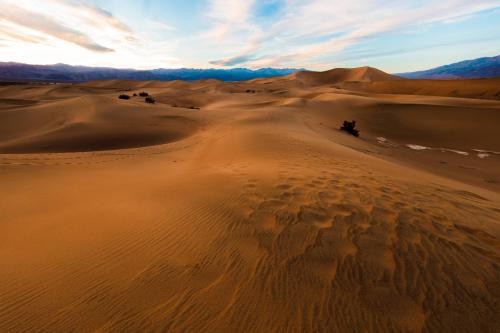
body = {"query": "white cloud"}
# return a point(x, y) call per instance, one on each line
point(312, 29)
point(231, 22)
point(75, 22)
point(46, 25)
point(76, 32)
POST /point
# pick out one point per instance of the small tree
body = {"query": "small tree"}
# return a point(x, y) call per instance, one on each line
point(124, 96)
point(349, 127)
point(143, 94)
point(150, 100)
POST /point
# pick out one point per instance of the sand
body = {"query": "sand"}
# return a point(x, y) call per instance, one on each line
point(253, 213)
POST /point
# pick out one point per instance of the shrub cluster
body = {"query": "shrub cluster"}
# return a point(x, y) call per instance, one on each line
point(350, 127)
point(148, 99)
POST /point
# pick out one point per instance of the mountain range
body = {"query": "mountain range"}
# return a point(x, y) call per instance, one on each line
point(12, 71)
point(487, 67)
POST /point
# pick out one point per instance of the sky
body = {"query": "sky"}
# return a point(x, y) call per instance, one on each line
point(392, 35)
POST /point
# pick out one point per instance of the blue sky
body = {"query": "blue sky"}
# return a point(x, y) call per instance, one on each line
point(395, 36)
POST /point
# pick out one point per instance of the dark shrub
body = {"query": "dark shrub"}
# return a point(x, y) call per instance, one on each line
point(135, 95)
point(150, 99)
point(124, 96)
point(350, 127)
point(143, 94)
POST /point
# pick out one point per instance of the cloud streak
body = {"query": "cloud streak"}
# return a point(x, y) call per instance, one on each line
point(317, 28)
point(10, 33)
point(46, 25)
point(23, 15)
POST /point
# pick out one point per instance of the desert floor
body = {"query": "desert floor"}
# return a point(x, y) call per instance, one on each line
point(240, 207)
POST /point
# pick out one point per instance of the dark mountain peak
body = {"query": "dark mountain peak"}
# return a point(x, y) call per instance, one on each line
point(486, 67)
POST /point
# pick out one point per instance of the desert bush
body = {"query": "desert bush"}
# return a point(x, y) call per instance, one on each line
point(350, 127)
point(150, 100)
point(135, 95)
point(124, 96)
point(143, 94)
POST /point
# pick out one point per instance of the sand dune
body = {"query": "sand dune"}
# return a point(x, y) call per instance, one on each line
point(372, 80)
point(342, 75)
point(253, 213)
point(477, 88)
point(90, 123)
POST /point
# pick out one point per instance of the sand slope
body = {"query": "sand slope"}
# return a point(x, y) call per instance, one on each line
point(89, 123)
point(474, 88)
point(253, 213)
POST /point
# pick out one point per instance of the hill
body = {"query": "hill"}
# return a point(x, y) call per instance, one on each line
point(488, 67)
point(341, 75)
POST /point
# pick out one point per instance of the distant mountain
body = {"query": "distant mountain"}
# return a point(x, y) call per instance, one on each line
point(11, 71)
point(470, 69)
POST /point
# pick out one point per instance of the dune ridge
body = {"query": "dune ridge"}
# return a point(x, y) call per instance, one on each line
point(341, 75)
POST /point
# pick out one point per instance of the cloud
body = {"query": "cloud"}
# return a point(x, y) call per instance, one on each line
point(45, 24)
point(79, 32)
point(99, 15)
point(232, 23)
point(308, 30)
point(375, 53)
point(244, 56)
point(159, 25)
point(230, 20)
point(10, 33)
point(232, 61)
point(77, 22)
point(94, 15)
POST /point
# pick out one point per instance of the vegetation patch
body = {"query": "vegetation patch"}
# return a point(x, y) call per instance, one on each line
point(350, 127)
